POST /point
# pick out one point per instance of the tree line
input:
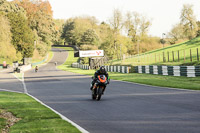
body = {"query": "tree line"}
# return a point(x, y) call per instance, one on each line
point(117, 37)
point(126, 34)
point(26, 28)
point(188, 27)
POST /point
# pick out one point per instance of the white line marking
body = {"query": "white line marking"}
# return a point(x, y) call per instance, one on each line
point(25, 89)
point(62, 116)
point(11, 91)
point(22, 80)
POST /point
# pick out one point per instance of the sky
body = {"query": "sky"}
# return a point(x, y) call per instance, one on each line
point(162, 13)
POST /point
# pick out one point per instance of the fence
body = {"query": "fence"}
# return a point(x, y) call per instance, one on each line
point(77, 65)
point(188, 71)
point(184, 56)
point(120, 69)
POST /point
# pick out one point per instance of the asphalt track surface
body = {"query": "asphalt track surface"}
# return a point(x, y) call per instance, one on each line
point(124, 108)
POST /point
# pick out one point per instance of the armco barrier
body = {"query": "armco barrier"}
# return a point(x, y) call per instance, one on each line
point(146, 69)
point(77, 65)
point(189, 71)
point(197, 71)
point(120, 69)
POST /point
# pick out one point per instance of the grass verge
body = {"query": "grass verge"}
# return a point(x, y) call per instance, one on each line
point(148, 79)
point(50, 56)
point(177, 54)
point(35, 118)
point(2, 123)
point(70, 59)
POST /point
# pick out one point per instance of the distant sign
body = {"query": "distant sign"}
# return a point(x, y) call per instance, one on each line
point(91, 53)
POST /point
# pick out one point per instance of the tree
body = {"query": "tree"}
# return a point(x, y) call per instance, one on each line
point(176, 33)
point(117, 23)
point(75, 28)
point(144, 27)
point(7, 7)
point(137, 27)
point(107, 40)
point(59, 23)
point(7, 50)
point(22, 35)
point(188, 19)
point(90, 37)
point(67, 33)
point(198, 31)
point(40, 19)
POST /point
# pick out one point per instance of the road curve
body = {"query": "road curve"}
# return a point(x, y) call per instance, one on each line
point(125, 107)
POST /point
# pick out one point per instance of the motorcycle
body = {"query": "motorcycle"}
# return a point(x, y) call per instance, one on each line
point(99, 87)
point(36, 68)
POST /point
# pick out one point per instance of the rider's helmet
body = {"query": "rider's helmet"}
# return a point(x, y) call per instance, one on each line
point(102, 69)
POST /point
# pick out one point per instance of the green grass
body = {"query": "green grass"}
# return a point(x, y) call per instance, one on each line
point(50, 56)
point(76, 70)
point(155, 57)
point(71, 59)
point(2, 123)
point(148, 79)
point(35, 118)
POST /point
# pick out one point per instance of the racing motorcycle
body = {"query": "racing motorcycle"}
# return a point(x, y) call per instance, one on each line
point(99, 87)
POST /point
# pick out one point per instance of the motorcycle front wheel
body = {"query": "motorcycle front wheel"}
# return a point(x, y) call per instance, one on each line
point(99, 93)
point(94, 95)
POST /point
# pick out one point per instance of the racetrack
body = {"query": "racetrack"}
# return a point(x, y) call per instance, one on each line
point(124, 108)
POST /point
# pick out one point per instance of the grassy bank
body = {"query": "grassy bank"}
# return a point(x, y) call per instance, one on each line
point(50, 56)
point(148, 79)
point(35, 118)
point(177, 54)
point(70, 59)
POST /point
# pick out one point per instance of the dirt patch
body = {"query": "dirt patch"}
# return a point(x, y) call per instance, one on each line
point(10, 120)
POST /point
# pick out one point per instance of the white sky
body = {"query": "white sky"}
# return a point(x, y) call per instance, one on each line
point(163, 13)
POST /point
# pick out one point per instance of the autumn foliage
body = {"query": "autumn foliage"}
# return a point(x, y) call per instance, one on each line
point(31, 23)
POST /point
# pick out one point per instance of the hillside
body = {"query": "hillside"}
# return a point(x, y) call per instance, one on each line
point(177, 54)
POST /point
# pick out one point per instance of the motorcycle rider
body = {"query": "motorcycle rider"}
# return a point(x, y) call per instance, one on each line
point(36, 68)
point(101, 71)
